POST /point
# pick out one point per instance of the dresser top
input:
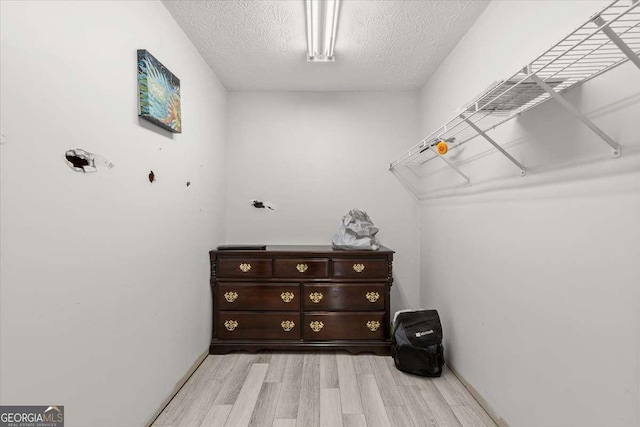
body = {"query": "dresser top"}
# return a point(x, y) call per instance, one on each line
point(315, 249)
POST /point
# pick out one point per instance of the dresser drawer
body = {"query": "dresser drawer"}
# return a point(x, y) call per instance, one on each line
point(343, 326)
point(344, 297)
point(264, 326)
point(302, 268)
point(360, 268)
point(251, 296)
point(244, 267)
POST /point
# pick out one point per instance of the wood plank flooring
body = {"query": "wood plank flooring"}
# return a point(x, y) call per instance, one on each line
point(313, 389)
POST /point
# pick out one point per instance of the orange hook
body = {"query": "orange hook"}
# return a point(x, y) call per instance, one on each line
point(442, 148)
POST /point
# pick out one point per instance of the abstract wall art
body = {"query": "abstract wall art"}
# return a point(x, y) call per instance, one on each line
point(158, 93)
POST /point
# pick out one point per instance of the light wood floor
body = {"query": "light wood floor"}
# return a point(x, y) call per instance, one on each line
point(318, 389)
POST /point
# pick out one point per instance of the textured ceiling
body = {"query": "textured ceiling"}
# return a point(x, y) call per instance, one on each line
point(381, 45)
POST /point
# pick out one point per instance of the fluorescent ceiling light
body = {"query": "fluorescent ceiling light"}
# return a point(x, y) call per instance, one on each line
point(322, 26)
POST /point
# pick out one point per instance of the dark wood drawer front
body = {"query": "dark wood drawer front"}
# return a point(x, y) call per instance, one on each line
point(244, 267)
point(344, 297)
point(360, 268)
point(247, 296)
point(302, 268)
point(265, 326)
point(342, 326)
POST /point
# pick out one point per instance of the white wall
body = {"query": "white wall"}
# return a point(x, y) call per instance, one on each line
point(316, 156)
point(105, 302)
point(536, 278)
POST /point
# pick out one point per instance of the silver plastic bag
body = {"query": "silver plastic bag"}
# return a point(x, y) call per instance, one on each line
point(356, 231)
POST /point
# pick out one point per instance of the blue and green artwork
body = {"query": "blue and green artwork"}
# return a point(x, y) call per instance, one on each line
point(158, 93)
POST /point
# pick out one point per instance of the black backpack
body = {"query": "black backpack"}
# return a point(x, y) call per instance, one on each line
point(417, 347)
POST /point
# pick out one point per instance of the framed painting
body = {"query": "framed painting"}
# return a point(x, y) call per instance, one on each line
point(158, 93)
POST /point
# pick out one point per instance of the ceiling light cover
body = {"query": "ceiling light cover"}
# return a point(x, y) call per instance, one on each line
point(322, 27)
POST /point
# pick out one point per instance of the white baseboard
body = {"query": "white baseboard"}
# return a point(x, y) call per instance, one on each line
point(178, 386)
point(481, 400)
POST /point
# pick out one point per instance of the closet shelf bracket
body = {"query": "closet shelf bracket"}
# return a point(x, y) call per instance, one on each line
point(570, 107)
point(451, 165)
point(523, 170)
point(604, 25)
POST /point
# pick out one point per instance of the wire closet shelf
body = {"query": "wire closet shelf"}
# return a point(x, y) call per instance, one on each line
point(606, 40)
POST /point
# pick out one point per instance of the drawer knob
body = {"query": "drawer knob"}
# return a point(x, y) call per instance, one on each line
point(373, 325)
point(316, 326)
point(244, 267)
point(231, 296)
point(287, 325)
point(315, 297)
point(287, 296)
point(302, 267)
point(372, 296)
point(231, 325)
point(359, 268)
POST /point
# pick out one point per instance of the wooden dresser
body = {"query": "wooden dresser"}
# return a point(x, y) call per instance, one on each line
point(301, 298)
